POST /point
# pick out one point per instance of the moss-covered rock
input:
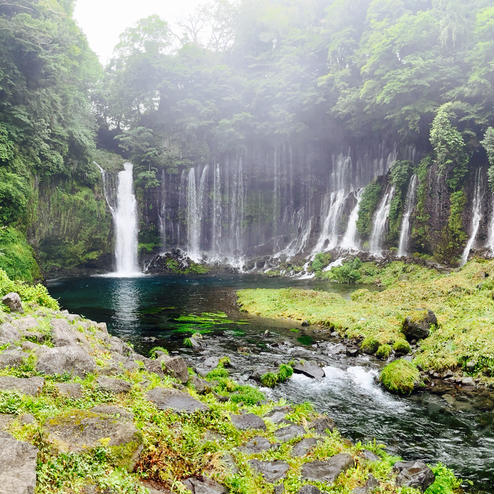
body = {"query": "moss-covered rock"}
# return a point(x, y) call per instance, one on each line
point(384, 351)
point(417, 325)
point(401, 346)
point(401, 377)
point(369, 345)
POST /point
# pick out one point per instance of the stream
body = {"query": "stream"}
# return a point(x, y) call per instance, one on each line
point(163, 310)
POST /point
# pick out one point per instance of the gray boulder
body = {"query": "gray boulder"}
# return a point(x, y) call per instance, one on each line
point(278, 414)
point(166, 398)
point(114, 411)
point(327, 470)
point(70, 390)
point(289, 433)
point(303, 446)
point(256, 445)
point(270, 470)
point(17, 466)
point(65, 334)
point(322, 424)
point(71, 359)
point(23, 385)
point(200, 385)
point(309, 369)
point(309, 489)
point(175, 367)
point(11, 358)
point(248, 421)
point(417, 325)
point(112, 385)
point(26, 323)
point(203, 485)
point(413, 474)
point(8, 333)
point(13, 301)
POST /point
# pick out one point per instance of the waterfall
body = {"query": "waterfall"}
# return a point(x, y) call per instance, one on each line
point(476, 216)
point(125, 220)
point(193, 220)
point(202, 203)
point(217, 212)
point(349, 240)
point(162, 213)
point(328, 238)
point(380, 220)
point(405, 223)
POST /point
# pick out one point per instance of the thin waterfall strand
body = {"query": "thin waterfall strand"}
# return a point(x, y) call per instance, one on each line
point(476, 216)
point(380, 220)
point(405, 223)
point(349, 240)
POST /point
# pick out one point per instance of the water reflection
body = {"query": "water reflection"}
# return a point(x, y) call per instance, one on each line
point(125, 303)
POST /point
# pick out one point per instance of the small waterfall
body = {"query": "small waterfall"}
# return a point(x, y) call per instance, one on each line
point(125, 219)
point(328, 238)
point(193, 219)
point(405, 224)
point(380, 220)
point(162, 213)
point(476, 216)
point(217, 212)
point(202, 202)
point(349, 240)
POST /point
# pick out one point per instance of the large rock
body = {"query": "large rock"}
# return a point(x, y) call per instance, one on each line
point(248, 421)
point(70, 359)
point(256, 445)
point(23, 385)
point(70, 390)
point(26, 323)
point(201, 386)
point(417, 325)
point(414, 474)
point(327, 470)
point(289, 433)
point(175, 367)
point(166, 398)
point(13, 301)
point(270, 470)
point(303, 446)
point(322, 424)
point(278, 414)
point(111, 385)
point(371, 484)
point(8, 333)
point(17, 466)
point(66, 334)
point(203, 486)
point(11, 358)
point(82, 430)
point(309, 369)
point(309, 489)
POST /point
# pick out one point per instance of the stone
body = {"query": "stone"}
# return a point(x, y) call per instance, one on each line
point(369, 486)
point(278, 414)
point(303, 446)
point(200, 385)
point(352, 351)
point(17, 466)
point(229, 464)
point(248, 421)
point(11, 358)
point(65, 334)
point(26, 323)
point(8, 333)
point(112, 385)
point(23, 385)
point(413, 474)
point(70, 390)
point(322, 424)
point(327, 470)
point(5, 420)
point(196, 341)
point(203, 485)
point(114, 411)
point(309, 369)
point(309, 489)
point(166, 398)
point(417, 326)
point(289, 433)
point(83, 430)
point(70, 359)
point(270, 470)
point(13, 301)
point(175, 367)
point(27, 418)
point(369, 455)
point(256, 445)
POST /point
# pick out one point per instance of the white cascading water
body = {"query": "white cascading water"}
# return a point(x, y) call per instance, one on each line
point(476, 216)
point(193, 219)
point(217, 213)
point(405, 223)
point(379, 226)
point(162, 213)
point(349, 240)
point(125, 220)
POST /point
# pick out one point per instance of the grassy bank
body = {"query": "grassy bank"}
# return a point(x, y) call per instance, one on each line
point(462, 301)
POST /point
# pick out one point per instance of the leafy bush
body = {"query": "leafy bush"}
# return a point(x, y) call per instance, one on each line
point(17, 256)
point(348, 272)
point(320, 261)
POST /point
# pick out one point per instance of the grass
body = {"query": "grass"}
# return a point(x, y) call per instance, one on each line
point(461, 300)
point(401, 377)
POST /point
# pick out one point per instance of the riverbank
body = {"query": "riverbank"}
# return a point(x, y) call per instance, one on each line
point(461, 341)
point(81, 411)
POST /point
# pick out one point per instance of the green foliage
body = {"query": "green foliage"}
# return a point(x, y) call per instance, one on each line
point(369, 345)
point(420, 231)
point(401, 346)
point(384, 351)
point(271, 379)
point(156, 350)
point(348, 272)
point(17, 256)
point(321, 260)
point(488, 144)
point(368, 204)
point(445, 481)
point(400, 176)
point(400, 377)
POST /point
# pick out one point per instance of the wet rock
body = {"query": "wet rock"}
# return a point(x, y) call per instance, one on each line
point(196, 341)
point(309, 489)
point(8, 333)
point(289, 433)
point(309, 369)
point(111, 385)
point(200, 385)
point(467, 381)
point(304, 446)
point(278, 414)
point(175, 367)
point(17, 466)
point(417, 325)
point(352, 351)
point(13, 301)
point(166, 398)
point(321, 424)
point(327, 470)
point(11, 358)
point(71, 359)
point(270, 470)
point(248, 421)
point(256, 445)
point(82, 430)
point(23, 385)
point(70, 390)
point(369, 486)
point(203, 485)
point(413, 474)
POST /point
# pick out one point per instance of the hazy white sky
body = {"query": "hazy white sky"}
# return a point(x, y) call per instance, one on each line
point(103, 20)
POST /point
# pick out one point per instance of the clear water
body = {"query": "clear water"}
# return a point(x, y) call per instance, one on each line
point(145, 311)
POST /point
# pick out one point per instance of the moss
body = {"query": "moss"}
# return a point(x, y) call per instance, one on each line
point(368, 204)
point(384, 351)
point(369, 345)
point(401, 377)
point(271, 379)
point(401, 347)
point(17, 256)
point(421, 224)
